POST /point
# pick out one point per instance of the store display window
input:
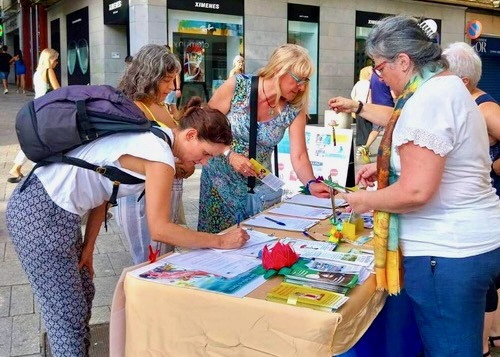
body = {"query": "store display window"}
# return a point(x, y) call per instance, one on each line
point(206, 40)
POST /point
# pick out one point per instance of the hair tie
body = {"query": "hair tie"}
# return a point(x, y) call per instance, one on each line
point(429, 27)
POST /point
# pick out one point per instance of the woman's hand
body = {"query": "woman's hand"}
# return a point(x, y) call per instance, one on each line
point(344, 105)
point(367, 175)
point(319, 189)
point(357, 200)
point(241, 164)
point(87, 259)
point(235, 238)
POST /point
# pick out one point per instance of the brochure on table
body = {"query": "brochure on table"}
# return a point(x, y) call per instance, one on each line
point(328, 155)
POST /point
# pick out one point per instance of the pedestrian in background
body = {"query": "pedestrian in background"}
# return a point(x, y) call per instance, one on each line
point(6, 61)
point(361, 92)
point(44, 80)
point(238, 66)
point(20, 69)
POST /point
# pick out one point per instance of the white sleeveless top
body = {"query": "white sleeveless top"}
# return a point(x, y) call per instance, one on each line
point(41, 87)
point(78, 190)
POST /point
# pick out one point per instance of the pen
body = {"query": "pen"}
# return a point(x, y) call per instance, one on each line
point(334, 136)
point(275, 221)
point(306, 233)
point(238, 220)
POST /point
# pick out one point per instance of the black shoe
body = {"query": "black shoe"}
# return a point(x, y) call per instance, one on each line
point(15, 179)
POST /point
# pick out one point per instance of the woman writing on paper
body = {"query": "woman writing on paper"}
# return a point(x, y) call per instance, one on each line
point(44, 220)
point(283, 99)
point(434, 196)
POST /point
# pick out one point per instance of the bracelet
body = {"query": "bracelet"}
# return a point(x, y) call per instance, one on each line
point(176, 89)
point(360, 107)
point(308, 184)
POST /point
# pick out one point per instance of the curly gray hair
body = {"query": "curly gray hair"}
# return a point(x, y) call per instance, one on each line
point(141, 79)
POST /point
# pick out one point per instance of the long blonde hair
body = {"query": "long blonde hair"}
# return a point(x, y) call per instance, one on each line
point(289, 58)
point(47, 56)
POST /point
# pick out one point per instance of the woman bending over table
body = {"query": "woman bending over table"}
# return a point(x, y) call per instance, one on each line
point(44, 220)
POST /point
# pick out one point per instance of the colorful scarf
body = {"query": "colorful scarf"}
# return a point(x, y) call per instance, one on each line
point(386, 225)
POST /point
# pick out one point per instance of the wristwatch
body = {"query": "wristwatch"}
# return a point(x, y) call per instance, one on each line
point(227, 153)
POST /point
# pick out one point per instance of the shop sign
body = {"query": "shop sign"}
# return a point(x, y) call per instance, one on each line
point(228, 7)
point(304, 13)
point(116, 12)
point(487, 46)
point(474, 29)
point(10, 24)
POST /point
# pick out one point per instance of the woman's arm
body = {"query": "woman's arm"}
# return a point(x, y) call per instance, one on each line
point(223, 96)
point(495, 166)
point(300, 159)
point(491, 114)
point(421, 173)
point(159, 179)
point(377, 114)
point(94, 222)
point(54, 83)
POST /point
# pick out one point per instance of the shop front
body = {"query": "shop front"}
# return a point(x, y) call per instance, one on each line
point(206, 37)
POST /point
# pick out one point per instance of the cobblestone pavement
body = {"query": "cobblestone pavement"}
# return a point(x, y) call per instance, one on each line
point(20, 324)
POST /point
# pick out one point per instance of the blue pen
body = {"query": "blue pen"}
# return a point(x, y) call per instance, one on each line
point(238, 220)
point(275, 221)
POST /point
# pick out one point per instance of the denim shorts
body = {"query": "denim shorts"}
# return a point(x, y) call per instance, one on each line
point(4, 75)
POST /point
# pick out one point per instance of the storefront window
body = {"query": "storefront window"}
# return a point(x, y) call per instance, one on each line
point(206, 44)
point(303, 29)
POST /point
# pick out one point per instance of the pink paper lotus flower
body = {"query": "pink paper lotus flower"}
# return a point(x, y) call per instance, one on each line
point(280, 256)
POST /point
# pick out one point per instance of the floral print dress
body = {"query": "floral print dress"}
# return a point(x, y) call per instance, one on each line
point(223, 191)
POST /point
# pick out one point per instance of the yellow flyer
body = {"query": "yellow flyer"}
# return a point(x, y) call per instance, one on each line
point(266, 176)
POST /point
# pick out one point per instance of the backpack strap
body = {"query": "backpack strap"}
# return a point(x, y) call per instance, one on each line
point(83, 121)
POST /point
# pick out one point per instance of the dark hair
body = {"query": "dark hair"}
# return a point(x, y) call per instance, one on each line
point(211, 124)
point(141, 79)
point(194, 101)
point(129, 59)
point(402, 34)
point(20, 58)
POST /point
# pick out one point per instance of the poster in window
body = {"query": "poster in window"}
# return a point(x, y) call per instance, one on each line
point(194, 61)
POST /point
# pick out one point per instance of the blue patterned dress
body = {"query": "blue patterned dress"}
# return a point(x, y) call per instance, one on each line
point(223, 191)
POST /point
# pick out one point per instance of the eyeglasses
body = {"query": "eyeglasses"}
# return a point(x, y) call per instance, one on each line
point(299, 81)
point(378, 68)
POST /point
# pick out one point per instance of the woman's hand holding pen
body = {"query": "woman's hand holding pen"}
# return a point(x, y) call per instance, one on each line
point(235, 238)
point(241, 164)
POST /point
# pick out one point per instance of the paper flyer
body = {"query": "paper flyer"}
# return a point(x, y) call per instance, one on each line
point(267, 176)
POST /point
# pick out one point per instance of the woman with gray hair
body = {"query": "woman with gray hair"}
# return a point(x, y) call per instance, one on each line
point(433, 196)
point(466, 64)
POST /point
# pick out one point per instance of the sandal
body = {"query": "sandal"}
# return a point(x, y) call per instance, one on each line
point(16, 179)
point(492, 340)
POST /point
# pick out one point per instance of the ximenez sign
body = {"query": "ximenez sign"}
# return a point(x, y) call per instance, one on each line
point(115, 12)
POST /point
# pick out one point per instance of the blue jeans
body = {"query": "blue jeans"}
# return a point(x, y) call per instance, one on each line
point(4, 75)
point(449, 298)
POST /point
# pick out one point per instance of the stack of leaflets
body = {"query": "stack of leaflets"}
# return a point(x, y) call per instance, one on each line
point(306, 297)
point(322, 276)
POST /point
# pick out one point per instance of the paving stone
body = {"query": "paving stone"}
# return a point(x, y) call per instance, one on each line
point(5, 336)
point(102, 266)
point(11, 273)
point(104, 289)
point(4, 301)
point(10, 252)
point(100, 315)
point(109, 243)
point(25, 335)
point(119, 261)
point(22, 300)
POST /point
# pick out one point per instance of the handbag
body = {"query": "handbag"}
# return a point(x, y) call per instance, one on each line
point(261, 197)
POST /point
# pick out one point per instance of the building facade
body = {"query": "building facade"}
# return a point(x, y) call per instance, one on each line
point(94, 36)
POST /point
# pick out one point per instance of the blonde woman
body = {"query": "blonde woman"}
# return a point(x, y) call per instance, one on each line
point(44, 80)
point(282, 102)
